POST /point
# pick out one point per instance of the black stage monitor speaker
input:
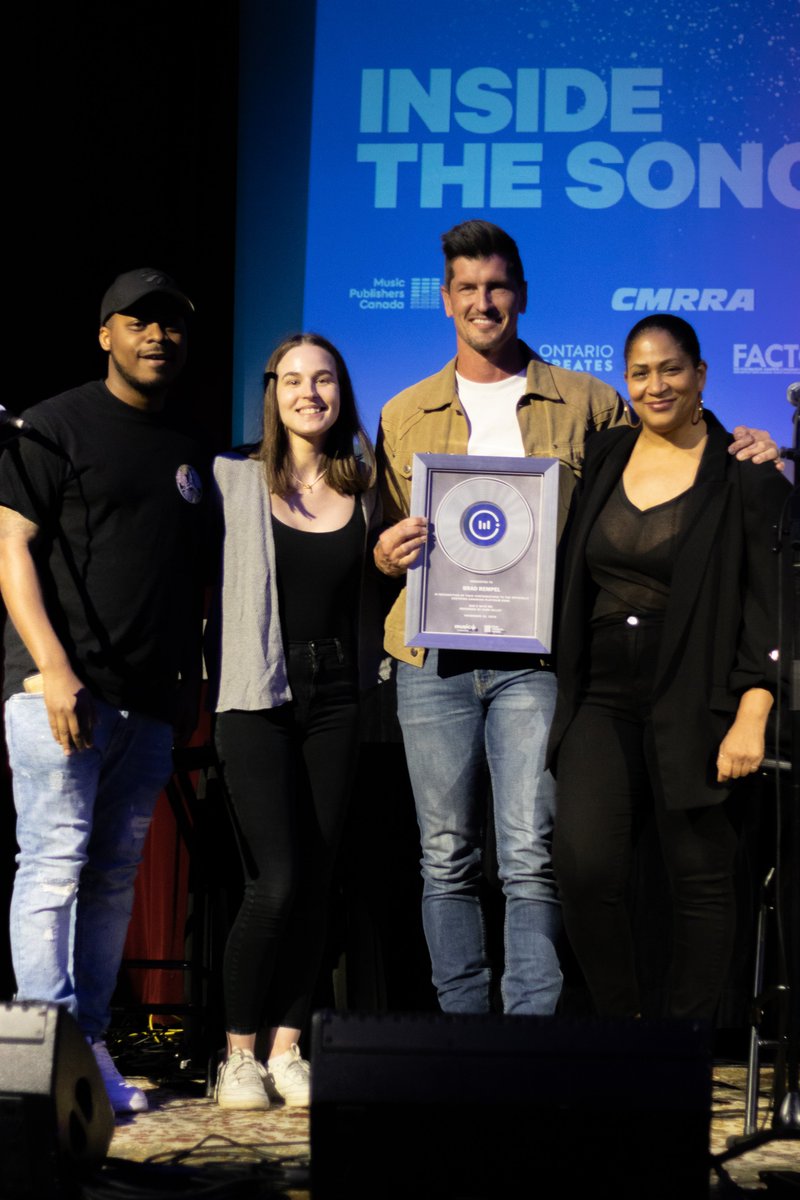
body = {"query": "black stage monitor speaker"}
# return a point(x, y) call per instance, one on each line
point(476, 1108)
point(55, 1118)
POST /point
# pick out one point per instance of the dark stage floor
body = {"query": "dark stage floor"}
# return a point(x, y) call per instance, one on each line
point(230, 1154)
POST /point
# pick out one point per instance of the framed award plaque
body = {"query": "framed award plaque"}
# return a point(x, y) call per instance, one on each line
point(486, 574)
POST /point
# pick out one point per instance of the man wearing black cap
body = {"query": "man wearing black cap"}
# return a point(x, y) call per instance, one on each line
point(101, 523)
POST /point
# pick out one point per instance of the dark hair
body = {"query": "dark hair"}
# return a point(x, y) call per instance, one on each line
point(349, 456)
point(679, 330)
point(480, 239)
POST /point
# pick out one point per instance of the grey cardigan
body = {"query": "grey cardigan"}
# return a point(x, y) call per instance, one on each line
point(244, 645)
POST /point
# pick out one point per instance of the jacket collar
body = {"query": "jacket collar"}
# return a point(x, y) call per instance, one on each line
point(703, 519)
point(706, 502)
point(539, 382)
point(715, 463)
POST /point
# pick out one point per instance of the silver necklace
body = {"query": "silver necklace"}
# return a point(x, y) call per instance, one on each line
point(307, 487)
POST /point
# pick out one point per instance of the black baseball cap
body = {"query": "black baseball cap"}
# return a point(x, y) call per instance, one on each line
point(135, 285)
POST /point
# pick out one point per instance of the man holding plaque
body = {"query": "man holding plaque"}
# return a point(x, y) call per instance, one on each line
point(467, 715)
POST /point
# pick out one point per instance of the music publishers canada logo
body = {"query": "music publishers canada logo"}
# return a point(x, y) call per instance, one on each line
point(394, 292)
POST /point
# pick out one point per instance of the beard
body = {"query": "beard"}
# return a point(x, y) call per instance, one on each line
point(148, 387)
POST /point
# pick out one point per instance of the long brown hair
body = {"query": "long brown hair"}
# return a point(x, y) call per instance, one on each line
point(348, 454)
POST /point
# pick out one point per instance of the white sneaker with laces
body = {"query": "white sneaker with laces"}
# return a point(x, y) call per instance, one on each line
point(241, 1082)
point(289, 1078)
point(124, 1097)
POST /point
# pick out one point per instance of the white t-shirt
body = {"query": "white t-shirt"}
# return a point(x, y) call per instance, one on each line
point(491, 410)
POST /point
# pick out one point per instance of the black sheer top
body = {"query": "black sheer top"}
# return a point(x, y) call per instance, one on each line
point(631, 552)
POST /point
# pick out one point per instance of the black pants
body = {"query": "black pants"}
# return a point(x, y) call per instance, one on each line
point(607, 778)
point(288, 771)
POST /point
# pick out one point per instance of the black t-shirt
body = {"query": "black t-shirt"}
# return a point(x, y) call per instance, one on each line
point(119, 497)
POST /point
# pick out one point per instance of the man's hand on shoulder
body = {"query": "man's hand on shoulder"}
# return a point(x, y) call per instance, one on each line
point(70, 708)
point(399, 546)
point(757, 444)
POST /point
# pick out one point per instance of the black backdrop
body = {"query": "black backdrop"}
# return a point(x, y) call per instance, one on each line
point(120, 152)
point(123, 154)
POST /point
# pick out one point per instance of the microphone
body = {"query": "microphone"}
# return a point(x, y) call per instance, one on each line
point(793, 396)
point(9, 422)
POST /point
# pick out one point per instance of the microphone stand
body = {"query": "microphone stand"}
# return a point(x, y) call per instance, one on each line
point(785, 1102)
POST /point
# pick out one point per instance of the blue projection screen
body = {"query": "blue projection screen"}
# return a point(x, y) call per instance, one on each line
point(644, 159)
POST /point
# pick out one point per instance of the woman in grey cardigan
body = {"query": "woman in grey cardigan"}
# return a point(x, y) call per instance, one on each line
point(297, 516)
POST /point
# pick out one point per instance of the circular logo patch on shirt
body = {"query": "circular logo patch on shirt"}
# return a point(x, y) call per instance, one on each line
point(190, 485)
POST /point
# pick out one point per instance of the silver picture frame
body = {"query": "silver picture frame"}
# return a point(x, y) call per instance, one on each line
point(485, 578)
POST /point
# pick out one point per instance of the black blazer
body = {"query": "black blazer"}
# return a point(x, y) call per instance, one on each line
point(720, 625)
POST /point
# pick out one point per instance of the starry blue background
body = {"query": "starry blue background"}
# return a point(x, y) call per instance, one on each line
point(730, 76)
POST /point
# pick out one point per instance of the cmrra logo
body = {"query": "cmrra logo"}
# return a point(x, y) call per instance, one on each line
point(778, 358)
point(683, 299)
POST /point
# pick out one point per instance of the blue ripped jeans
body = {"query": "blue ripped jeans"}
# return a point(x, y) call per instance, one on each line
point(457, 723)
point(82, 820)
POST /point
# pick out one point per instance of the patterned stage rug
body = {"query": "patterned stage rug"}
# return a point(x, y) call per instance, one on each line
point(188, 1131)
point(191, 1132)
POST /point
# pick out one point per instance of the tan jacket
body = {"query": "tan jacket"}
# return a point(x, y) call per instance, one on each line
point(559, 410)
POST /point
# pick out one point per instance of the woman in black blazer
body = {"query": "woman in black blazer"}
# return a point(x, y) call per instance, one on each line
point(667, 670)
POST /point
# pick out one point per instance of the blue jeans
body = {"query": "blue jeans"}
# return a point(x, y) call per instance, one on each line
point(456, 723)
point(82, 820)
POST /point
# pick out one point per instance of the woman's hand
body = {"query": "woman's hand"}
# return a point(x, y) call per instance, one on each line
point(742, 749)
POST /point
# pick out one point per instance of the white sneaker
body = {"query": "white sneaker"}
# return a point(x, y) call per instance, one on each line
point(289, 1078)
point(240, 1082)
point(124, 1097)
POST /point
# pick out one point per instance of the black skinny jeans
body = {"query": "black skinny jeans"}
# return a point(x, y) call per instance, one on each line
point(288, 771)
point(607, 776)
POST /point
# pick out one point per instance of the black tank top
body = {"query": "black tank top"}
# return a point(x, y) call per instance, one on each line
point(319, 576)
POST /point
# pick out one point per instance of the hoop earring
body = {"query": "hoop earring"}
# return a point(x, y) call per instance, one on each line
point(698, 416)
